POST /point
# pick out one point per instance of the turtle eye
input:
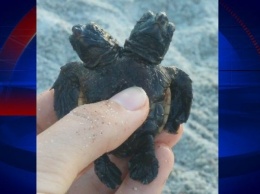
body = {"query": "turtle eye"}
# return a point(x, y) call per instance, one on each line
point(146, 16)
point(77, 30)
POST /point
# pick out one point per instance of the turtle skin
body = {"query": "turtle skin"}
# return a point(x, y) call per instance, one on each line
point(111, 69)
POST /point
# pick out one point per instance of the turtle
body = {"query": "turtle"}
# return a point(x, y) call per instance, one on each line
point(108, 68)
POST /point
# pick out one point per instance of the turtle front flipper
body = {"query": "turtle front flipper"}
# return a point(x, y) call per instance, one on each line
point(67, 89)
point(181, 99)
point(107, 172)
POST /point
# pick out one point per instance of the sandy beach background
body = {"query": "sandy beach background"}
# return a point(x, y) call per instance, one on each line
point(194, 49)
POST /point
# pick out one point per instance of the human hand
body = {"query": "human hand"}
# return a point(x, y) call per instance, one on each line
point(67, 148)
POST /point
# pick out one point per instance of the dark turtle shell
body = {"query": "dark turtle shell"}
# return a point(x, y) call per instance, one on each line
point(108, 68)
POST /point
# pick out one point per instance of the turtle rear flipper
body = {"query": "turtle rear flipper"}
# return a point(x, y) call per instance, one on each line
point(181, 99)
point(107, 172)
point(67, 89)
point(143, 166)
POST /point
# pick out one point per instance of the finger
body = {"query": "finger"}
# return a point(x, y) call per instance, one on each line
point(166, 159)
point(89, 182)
point(86, 133)
point(45, 111)
point(169, 139)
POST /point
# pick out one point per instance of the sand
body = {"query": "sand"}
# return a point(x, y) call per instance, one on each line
point(194, 49)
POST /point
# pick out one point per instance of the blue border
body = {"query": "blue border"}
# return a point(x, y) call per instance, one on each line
point(17, 133)
point(239, 97)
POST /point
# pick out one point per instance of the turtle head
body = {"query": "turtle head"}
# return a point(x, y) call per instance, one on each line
point(94, 46)
point(151, 37)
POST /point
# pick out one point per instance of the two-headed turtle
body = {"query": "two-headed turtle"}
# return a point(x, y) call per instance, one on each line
point(108, 69)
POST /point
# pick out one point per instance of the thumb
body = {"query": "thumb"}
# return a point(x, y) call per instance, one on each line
point(87, 132)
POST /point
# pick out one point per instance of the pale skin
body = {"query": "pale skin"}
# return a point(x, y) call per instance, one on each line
point(67, 148)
